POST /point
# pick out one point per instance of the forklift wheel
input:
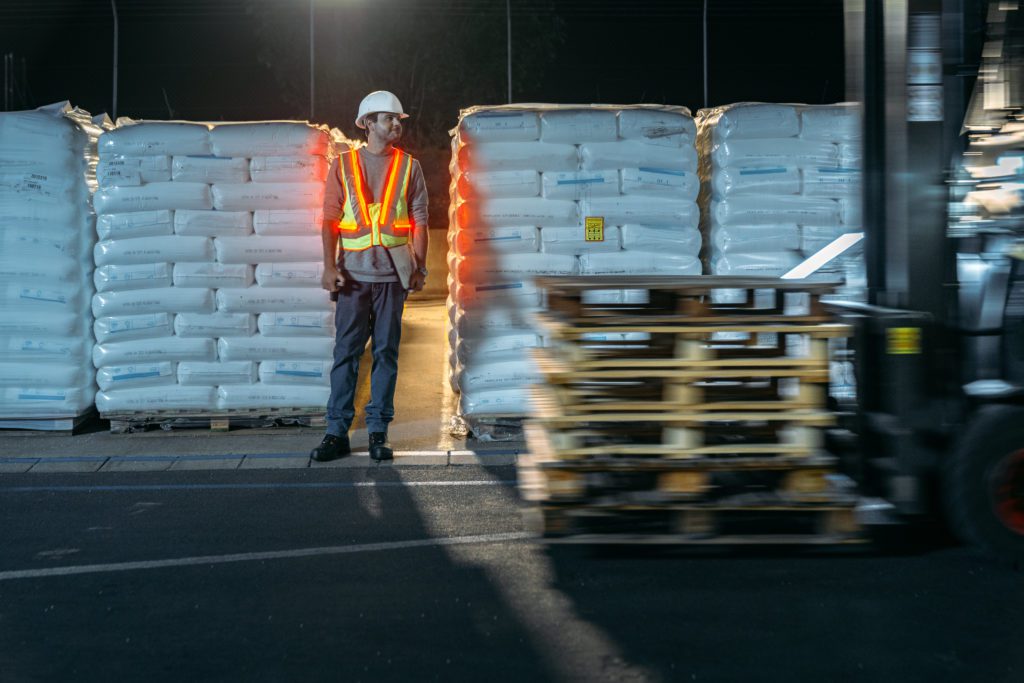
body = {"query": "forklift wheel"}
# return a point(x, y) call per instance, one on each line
point(984, 483)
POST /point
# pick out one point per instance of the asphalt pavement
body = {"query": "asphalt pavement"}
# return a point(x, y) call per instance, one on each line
point(425, 573)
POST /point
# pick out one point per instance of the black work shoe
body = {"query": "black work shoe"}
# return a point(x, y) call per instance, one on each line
point(330, 448)
point(380, 449)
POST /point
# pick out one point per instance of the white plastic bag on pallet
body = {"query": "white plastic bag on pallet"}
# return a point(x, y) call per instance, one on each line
point(260, 249)
point(755, 238)
point(129, 327)
point(838, 122)
point(157, 300)
point(501, 212)
point(288, 169)
point(734, 180)
point(632, 262)
point(135, 276)
point(288, 221)
point(209, 169)
point(516, 239)
point(149, 350)
point(270, 299)
point(169, 249)
point(113, 226)
point(659, 182)
point(518, 156)
point(576, 126)
point(214, 324)
point(212, 275)
point(170, 397)
point(259, 347)
point(146, 138)
point(290, 274)
point(38, 402)
point(580, 184)
point(136, 375)
point(499, 184)
point(654, 127)
point(245, 396)
point(500, 126)
point(775, 152)
point(596, 156)
point(771, 210)
point(315, 372)
point(45, 374)
point(755, 120)
point(193, 373)
point(213, 223)
point(273, 196)
point(153, 197)
point(313, 324)
point(664, 238)
point(633, 209)
point(268, 138)
point(118, 169)
point(573, 241)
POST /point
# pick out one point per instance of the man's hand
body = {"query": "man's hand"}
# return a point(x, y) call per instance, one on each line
point(417, 281)
point(332, 280)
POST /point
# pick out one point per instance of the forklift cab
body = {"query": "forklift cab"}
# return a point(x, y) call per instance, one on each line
point(939, 344)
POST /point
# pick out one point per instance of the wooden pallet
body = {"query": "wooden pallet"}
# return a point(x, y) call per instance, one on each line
point(215, 420)
point(695, 524)
point(56, 424)
point(615, 478)
point(756, 300)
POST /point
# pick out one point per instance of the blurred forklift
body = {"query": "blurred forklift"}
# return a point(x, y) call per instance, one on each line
point(938, 348)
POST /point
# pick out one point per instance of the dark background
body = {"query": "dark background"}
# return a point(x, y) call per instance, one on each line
point(229, 60)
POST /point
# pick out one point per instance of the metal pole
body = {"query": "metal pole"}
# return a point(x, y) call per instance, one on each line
point(508, 25)
point(312, 78)
point(6, 87)
point(704, 44)
point(113, 109)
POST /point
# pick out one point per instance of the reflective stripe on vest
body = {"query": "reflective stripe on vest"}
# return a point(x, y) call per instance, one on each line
point(385, 223)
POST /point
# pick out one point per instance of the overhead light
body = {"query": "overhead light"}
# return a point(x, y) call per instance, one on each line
point(827, 253)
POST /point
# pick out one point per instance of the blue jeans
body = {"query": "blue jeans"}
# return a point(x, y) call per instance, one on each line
point(365, 310)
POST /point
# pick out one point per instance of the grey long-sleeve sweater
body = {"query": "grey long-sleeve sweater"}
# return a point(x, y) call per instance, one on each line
point(374, 264)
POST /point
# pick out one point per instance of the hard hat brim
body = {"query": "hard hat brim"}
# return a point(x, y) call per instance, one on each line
point(360, 124)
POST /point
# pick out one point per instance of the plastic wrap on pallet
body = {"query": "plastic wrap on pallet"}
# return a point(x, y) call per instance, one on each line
point(773, 173)
point(541, 190)
point(48, 160)
point(204, 227)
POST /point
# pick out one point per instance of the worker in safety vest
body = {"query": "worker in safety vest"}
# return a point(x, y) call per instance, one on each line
point(375, 253)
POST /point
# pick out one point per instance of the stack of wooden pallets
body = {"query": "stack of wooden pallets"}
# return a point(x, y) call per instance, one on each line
point(682, 420)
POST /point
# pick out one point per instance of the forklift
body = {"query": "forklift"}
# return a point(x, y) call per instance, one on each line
point(937, 423)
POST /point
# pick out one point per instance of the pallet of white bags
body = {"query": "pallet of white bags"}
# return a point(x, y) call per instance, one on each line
point(214, 420)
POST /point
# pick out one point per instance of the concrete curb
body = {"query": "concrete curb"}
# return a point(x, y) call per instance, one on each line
point(247, 461)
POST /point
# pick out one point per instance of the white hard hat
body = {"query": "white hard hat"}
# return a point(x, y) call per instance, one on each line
point(379, 101)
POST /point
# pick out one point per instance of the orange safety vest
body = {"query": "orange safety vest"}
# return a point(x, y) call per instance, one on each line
point(385, 223)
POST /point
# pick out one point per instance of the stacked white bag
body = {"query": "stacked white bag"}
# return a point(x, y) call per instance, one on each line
point(780, 181)
point(525, 181)
point(208, 269)
point(47, 173)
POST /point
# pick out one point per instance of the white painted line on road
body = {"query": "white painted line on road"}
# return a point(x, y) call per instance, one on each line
point(87, 488)
point(253, 557)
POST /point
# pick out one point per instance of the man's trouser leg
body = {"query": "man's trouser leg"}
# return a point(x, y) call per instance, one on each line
point(388, 301)
point(352, 329)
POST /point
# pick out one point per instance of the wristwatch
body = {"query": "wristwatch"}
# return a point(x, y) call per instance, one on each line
point(422, 271)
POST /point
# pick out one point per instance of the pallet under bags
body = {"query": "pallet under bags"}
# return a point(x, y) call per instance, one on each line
point(208, 269)
point(780, 181)
point(556, 190)
point(47, 174)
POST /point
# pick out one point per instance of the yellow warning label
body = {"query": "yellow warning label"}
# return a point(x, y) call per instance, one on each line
point(903, 340)
point(594, 228)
